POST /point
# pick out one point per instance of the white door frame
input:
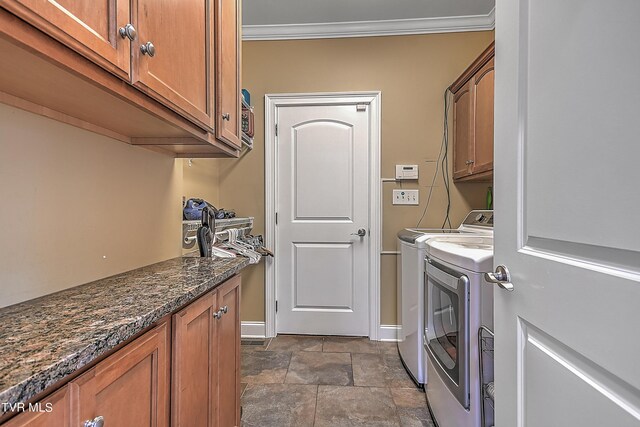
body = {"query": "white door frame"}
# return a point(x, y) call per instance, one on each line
point(271, 103)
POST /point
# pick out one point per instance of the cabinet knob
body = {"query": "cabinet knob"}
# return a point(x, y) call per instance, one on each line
point(225, 309)
point(148, 49)
point(128, 31)
point(469, 162)
point(218, 314)
point(96, 422)
point(226, 116)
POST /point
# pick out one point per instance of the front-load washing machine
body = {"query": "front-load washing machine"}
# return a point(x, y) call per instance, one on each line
point(458, 302)
point(410, 285)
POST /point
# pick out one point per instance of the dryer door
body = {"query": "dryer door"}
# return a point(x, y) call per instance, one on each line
point(447, 330)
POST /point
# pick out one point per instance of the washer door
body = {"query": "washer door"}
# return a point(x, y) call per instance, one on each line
point(447, 327)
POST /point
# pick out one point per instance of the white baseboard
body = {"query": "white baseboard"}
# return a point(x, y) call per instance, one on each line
point(253, 330)
point(388, 333)
point(258, 330)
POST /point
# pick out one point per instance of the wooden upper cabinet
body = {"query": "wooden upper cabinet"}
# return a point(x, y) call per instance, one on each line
point(229, 354)
point(129, 388)
point(54, 411)
point(87, 26)
point(194, 388)
point(462, 120)
point(483, 122)
point(228, 83)
point(176, 66)
point(473, 94)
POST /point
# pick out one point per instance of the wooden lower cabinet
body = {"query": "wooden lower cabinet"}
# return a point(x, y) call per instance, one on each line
point(229, 354)
point(206, 360)
point(53, 411)
point(129, 388)
point(194, 392)
point(188, 367)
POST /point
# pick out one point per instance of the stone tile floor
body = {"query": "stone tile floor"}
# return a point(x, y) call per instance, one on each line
point(327, 381)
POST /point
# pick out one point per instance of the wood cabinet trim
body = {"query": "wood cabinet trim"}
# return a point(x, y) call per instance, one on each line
point(475, 66)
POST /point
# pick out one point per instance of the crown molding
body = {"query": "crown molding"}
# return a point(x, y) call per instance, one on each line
point(394, 27)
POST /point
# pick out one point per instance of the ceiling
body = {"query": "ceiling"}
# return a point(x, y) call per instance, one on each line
point(293, 19)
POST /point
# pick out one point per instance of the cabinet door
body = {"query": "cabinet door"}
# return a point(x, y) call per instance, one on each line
point(462, 131)
point(89, 27)
point(229, 353)
point(52, 411)
point(129, 388)
point(194, 365)
point(228, 104)
point(179, 71)
point(483, 122)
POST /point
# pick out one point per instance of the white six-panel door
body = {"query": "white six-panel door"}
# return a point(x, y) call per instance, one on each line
point(322, 181)
point(567, 225)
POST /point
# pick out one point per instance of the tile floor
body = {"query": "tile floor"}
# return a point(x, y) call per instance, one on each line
point(327, 381)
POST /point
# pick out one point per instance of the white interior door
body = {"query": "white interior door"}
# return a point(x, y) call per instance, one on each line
point(322, 181)
point(567, 210)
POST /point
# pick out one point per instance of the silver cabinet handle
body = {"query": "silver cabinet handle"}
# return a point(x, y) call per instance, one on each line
point(148, 49)
point(361, 232)
point(96, 422)
point(469, 162)
point(222, 311)
point(128, 31)
point(501, 278)
point(226, 116)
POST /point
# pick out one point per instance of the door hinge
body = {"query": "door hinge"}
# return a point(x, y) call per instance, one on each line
point(276, 129)
point(361, 107)
point(276, 218)
point(276, 306)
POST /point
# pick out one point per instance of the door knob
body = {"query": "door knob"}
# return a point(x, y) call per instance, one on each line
point(128, 31)
point(501, 278)
point(361, 232)
point(148, 49)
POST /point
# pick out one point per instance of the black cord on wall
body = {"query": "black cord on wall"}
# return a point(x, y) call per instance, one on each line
point(445, 158)
point(442, 161)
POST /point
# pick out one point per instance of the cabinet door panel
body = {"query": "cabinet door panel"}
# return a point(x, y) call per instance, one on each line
point(229, 354)
point(228, 85)
point(55, 413)
point(462, 131)
point(483, 123)
point(180, 72)
point(90, 27)
point(194, 391)
point(129, 388)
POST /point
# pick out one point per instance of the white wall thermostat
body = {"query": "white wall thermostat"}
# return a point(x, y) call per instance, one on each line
point(407, 172)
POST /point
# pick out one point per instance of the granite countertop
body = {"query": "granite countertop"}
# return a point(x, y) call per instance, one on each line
point(48, 338)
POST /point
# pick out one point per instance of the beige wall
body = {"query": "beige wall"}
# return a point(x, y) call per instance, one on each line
point(412, 72)
point(76, 206)
point(201, 180)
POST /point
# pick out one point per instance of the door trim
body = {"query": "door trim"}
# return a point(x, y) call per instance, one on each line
point(271, 104)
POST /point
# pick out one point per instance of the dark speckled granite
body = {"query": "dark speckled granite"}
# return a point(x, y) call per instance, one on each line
point(45, 339)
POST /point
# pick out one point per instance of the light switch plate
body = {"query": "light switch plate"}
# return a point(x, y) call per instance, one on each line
point(406, 197)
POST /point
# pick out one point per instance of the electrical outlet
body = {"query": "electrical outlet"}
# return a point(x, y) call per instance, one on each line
point(406, 197)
